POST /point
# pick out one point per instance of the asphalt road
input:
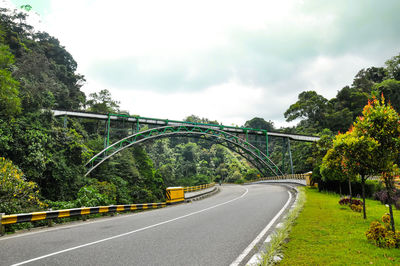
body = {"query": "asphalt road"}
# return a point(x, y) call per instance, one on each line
point(212, 231)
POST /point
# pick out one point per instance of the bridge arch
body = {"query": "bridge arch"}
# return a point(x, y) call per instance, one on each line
point(251, 153)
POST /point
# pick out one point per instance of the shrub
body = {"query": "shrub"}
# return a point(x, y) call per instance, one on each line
point(354, 204)
point(381, 234)
point(346, 201)
point(371, 186)
point(16, 193)
point(239, 181)
point(251, 174)
point(356, 208)
point(88, 196)
point(383, 198)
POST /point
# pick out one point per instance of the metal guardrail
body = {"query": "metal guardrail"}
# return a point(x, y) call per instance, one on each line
point(199, 187)
point(171, 194)
point(39, 216)
point(290, 176)
point(302, 179)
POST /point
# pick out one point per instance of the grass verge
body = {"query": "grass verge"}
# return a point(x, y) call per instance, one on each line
point(275, 246)
point(326, 233)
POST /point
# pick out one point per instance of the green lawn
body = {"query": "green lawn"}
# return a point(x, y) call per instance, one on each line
point(326, 233)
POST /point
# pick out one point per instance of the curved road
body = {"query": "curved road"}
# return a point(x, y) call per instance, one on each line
point(213, 231)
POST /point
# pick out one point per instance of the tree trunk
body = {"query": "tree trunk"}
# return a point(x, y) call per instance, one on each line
point(391, 217)
point(363, 195)
point(389, 195)
point(350, 189)
point(340, 189)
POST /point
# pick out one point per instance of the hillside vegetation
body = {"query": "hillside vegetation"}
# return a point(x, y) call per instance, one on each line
point(47, 159)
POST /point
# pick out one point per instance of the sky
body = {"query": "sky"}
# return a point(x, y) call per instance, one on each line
point(224, 60)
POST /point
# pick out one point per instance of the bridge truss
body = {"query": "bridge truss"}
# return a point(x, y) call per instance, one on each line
point(253, 144)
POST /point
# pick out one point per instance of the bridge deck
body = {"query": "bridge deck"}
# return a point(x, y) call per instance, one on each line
point(165, 122)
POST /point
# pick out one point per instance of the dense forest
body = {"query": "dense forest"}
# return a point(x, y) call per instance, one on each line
point(43, 160)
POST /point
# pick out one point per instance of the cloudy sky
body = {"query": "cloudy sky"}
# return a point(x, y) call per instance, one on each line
point(222, 59)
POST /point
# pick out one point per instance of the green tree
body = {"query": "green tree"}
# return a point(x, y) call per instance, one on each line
point(366, 78)
point(393, 67)
point(382, 123)
point(318, 150)
point(10, 103)
point(358, 156)
point(260, 123)
point(311, 107)
point(334, 165)
point(391, 89)
point(102, 102)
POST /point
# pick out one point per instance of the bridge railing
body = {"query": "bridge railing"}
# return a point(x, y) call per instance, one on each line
point(303, 178)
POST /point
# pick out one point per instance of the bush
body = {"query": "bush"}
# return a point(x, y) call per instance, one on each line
point(239, 181)
point(347, 201)
point(354, 204)
point(251, 174)
point(88, 196)
point(61, 205)
point(371, 186)
point(356, 208)
point(381, 234)
point(383, 198)
point(16, 193)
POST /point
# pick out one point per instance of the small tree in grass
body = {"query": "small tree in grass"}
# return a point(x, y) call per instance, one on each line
point(333, 166)
point(358, 156)
point(381, 123)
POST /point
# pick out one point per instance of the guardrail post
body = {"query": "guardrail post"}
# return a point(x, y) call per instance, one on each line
point(2, 227)
point(50, 220)
point(83, 215)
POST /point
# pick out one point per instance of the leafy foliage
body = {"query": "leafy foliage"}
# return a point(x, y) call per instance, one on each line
point(382, 196)
point(88, 196)
point(10, 103)
point(16, 193)
point(102, 102)
point(381, 235)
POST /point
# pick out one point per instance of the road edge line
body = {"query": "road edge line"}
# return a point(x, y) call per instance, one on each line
point(128, 233)
point(250, 247)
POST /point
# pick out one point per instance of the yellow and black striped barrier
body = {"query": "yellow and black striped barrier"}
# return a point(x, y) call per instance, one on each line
point(38, 216)
point(173, 195)
point(199, 187)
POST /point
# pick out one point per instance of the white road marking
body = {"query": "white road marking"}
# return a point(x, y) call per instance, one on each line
point(254, 260)
point(279, 225)
point(250, 247)
point(131, 232)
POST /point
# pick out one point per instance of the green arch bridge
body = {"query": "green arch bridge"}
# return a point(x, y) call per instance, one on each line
point(252, 144)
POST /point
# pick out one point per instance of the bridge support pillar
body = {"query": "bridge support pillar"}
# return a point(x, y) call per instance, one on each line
point(290, 156)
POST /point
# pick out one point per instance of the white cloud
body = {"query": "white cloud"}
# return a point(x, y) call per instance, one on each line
point(326, 75)
point(229, 103)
